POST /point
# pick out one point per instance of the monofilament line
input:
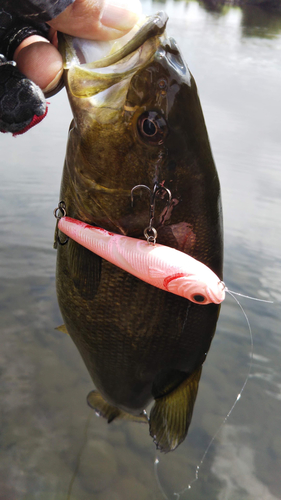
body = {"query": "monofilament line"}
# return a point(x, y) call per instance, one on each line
point(231, 292)
point(180, 493)
point(83, 445)
point(156, 462)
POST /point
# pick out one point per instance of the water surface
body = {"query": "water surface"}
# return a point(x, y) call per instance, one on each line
point(52, 446)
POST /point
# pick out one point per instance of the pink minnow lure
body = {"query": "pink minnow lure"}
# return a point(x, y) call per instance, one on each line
point(158, 265)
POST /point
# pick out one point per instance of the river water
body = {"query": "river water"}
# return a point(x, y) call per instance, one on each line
point(52, 446)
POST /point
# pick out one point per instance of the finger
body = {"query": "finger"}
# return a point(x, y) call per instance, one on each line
point(53, 37)
point(40, 61)
point(98, 20)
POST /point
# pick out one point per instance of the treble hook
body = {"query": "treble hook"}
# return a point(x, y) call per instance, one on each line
point(150, 232)
point(60, 212)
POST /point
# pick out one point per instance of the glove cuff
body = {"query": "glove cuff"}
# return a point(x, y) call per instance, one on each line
point(16, 35)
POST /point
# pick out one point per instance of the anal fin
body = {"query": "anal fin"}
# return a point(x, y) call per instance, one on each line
point(110, 412)
point(171, 415)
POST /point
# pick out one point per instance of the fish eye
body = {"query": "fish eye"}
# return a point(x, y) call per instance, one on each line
point(149, 128)
point(152, 127)
point(199, 298)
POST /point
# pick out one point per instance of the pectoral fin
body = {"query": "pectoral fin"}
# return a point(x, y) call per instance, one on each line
point(171, 415)
point(62, 328)
point(110, 412)
point(85, 269)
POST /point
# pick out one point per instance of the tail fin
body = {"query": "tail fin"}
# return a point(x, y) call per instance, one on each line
point(171, 415)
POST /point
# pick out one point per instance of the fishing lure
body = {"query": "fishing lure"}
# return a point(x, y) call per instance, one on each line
point(161, 266)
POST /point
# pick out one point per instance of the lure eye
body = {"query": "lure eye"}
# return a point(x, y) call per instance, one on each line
point(200, 299)
point(152, 127)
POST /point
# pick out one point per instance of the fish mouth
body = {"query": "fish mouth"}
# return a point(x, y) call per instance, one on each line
point(95, 66)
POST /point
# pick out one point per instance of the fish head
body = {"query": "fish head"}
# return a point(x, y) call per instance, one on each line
point(133, 112)
point(105, 150)
point(102, 156)
point(98, 74)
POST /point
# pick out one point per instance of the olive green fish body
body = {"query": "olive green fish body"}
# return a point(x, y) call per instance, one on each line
point(140, 343)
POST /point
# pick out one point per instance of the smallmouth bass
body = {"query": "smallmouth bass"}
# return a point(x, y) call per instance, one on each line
point(138, 121)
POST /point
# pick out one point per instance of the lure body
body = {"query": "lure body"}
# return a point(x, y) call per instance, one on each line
point(161, 266)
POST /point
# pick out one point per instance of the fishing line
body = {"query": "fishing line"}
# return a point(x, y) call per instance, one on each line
point(177, 495)
point(156, 462)
point(84, 442)
point(231, 292)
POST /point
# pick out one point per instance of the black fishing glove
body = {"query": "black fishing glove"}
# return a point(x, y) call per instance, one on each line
point(22, 103)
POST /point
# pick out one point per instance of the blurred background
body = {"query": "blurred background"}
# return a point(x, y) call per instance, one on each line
point(53, 447)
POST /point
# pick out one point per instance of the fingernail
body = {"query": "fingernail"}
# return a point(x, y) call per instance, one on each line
point(54, 83)
point(121, 14)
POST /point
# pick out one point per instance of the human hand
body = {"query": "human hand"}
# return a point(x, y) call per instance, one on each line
point(39, 63)
point(39, 59)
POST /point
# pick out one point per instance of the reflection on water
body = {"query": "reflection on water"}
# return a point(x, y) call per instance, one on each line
point(260, 22)
point(44, 417)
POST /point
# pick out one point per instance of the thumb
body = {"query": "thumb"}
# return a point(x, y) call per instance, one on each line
point(97, 20)
point(40, 61)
